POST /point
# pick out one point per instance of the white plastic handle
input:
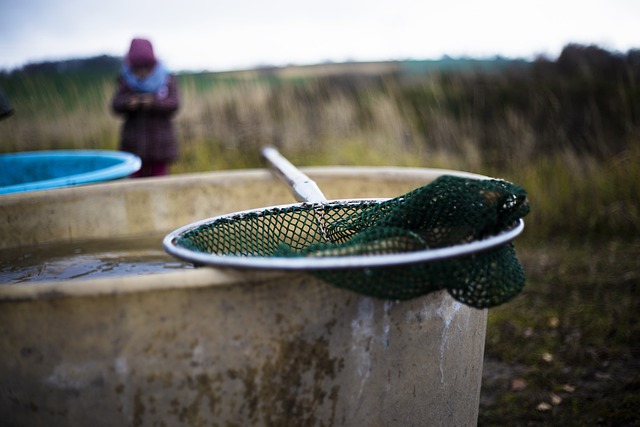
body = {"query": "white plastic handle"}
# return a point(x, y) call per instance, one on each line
point(303, 187)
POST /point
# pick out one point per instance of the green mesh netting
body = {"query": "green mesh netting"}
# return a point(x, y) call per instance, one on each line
point(451, 210)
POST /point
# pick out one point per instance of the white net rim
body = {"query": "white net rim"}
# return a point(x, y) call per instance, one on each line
point(311, 263)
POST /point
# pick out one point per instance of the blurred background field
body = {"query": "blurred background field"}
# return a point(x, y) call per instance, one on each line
point(567, 129)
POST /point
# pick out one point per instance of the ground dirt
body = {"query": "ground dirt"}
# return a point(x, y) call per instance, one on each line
point(566, 351)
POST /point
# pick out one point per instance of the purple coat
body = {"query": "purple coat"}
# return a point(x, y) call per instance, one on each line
point(149, 133)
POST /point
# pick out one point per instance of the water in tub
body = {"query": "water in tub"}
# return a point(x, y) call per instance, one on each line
point(86, 259)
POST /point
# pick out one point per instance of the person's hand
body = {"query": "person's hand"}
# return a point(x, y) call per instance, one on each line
point(133, 102)
point(146, 100)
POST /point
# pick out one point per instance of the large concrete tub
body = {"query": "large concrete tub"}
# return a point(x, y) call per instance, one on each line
point(212, 347)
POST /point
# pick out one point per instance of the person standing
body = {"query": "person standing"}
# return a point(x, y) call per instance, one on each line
point(147, 98)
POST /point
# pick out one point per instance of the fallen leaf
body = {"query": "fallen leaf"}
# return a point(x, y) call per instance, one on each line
point(555, 399)
point(554, 322)
point(543, 407)
point(568, 388)
point(518, 384)
point(547, 357)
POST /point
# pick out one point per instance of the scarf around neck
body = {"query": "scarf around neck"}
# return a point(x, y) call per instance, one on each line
point(150, 84)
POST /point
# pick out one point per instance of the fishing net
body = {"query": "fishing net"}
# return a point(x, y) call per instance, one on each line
point(451, 210)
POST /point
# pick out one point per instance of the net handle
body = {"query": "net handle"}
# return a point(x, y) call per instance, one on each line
point(303, 187)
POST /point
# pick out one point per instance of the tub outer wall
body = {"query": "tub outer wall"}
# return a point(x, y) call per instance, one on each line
point(215, 347)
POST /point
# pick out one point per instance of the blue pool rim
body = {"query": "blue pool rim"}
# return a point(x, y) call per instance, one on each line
point(126, 164)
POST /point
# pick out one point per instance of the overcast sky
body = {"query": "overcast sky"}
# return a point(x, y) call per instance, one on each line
point(233, 34)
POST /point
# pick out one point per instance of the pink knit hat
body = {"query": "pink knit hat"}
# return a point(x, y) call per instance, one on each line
point(141, 54)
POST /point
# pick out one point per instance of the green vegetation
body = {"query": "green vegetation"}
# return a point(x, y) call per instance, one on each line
point(567, 130)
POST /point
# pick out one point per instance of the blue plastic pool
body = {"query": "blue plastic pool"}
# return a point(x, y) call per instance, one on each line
point(43, 170)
